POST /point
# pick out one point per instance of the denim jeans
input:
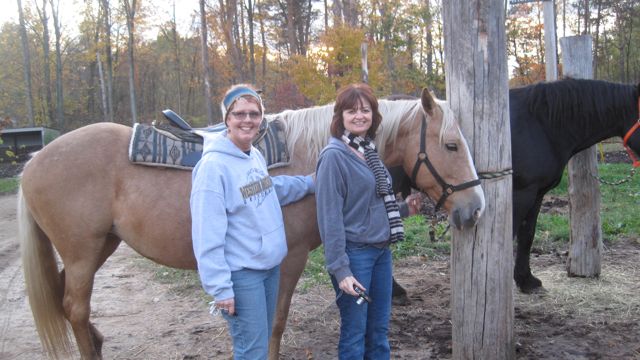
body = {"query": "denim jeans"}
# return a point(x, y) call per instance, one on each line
point(256, 293)
point(364, 328)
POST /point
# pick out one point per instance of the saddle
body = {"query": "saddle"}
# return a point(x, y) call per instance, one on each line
point(178, 145)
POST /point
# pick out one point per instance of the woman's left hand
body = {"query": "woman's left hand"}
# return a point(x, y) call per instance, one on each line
point(414, 203)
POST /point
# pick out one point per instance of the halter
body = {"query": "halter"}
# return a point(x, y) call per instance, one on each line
point(447, 189)
point(635, 127)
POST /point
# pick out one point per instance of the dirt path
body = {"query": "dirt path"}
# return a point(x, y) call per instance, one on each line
point(143, 319)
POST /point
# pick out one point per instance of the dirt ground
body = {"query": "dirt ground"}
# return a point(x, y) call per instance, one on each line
point(143, 319)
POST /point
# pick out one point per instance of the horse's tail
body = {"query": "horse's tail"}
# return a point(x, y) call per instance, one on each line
point(43, 284)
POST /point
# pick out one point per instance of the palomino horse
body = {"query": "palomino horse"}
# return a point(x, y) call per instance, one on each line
point(81, 196)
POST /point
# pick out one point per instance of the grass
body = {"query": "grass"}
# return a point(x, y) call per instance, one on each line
point(9, 185)
point(617, 213)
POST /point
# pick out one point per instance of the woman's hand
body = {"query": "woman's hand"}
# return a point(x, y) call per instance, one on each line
point(227, 305)
point(414, 203)
point(347, 284)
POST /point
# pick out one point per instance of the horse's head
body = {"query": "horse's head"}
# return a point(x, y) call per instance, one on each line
point(432, 150)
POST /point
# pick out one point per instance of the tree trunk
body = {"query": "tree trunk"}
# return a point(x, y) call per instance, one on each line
point(44, 19)
point(584, 192)
point(264, 49)
point(291, 28)
point(387, 18)
point(227, 14)
point(252, 50)
point(176, 55)
point(130, 12)
point(27, 64)
point(59, 92)
point(550, 52)
point(109, 57)
point(103, 90)
point(596, 40)
point(429, 30)
point(205, 63)
point(365, 67)
point(481, 258)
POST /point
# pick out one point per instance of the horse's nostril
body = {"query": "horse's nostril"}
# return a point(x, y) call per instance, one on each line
point(476, 214)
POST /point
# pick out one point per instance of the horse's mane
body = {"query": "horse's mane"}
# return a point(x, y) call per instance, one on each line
point(571, 102)
point(311, 125)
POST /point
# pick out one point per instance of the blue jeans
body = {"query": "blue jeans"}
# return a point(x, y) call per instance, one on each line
point(364, 328)
point(256, 293)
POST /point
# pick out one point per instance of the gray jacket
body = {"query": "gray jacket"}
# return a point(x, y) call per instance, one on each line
point(349, 210)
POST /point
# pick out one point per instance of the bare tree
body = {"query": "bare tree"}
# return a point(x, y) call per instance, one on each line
point(106, 18)
point(227, 21)
point(27, 63)
point(252, 54)
point(176, 55)
point(58, 42)
point(205, 62)
point(263, 37)
point(130, 7)
point(46, 63)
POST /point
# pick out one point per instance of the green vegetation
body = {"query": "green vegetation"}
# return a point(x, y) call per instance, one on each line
point(617, 212)
point(9, 185)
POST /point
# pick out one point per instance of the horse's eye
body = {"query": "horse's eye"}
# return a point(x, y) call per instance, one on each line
point(451, 146)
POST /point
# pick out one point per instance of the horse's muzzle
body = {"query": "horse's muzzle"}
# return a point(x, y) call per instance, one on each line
point(466, 217)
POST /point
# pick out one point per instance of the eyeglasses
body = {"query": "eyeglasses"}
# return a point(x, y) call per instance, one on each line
point(253, 115)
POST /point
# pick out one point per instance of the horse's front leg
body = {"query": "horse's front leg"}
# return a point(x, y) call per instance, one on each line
point(525, 233)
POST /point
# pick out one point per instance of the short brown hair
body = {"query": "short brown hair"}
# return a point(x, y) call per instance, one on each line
point(350, 97)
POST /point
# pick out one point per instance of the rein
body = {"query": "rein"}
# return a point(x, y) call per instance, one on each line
point(633, 129)
point(447, 189)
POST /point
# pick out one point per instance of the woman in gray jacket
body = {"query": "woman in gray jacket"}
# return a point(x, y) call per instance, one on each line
point(358, 218)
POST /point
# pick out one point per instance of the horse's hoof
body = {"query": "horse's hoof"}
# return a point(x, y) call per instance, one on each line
point(531, 285)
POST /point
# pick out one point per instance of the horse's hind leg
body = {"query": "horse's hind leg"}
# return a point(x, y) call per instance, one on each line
point(78, 279)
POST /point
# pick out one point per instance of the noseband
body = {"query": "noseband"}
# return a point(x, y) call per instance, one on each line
point(423, 158)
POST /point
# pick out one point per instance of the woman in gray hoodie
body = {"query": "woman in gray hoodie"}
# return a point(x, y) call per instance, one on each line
point(237, 225)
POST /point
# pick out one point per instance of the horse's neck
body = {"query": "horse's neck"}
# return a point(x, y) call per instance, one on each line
point(598, 114)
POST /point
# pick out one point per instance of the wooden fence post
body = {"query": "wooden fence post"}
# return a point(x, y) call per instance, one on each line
point(584, 191)
point(482, 257)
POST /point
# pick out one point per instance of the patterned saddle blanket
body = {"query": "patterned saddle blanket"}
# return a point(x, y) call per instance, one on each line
point(154, 146)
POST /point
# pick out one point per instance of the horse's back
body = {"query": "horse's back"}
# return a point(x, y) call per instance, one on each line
point(82, 187)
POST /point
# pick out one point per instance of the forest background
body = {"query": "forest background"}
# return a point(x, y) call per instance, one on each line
point(126, 60)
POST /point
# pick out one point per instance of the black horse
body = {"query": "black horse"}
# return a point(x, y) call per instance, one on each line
point(551, 122)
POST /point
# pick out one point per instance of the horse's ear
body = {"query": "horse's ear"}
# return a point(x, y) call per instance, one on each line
point(428, 104)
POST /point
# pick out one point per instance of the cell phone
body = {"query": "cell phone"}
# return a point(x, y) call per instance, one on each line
point(362, 295)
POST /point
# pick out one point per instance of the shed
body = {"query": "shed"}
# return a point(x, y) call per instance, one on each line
point(22, 141)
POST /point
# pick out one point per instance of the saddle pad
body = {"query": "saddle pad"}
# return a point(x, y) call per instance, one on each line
point(155, 147)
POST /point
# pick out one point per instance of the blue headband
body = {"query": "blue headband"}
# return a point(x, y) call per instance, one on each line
point(238, 92)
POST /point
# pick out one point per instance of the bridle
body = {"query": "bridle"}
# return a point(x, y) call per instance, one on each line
point(447, 189)
point(635, 127)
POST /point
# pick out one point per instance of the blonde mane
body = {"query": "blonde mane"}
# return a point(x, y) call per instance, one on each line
point(311, 125)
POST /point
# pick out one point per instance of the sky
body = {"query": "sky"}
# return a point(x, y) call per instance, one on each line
point(69, 12)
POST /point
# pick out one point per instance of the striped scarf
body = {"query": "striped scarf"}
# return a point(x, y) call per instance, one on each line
point(383, 185)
